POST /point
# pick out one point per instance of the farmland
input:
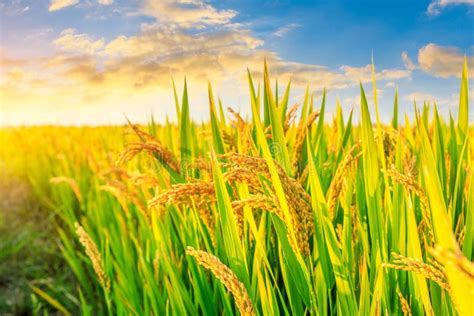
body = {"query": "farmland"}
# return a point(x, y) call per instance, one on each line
point(290, 211)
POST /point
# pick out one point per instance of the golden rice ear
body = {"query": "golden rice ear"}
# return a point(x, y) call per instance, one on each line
point(246, 169)
point(409, 182)
point(227, 277)
point(406, 309)
point(141, 179)
point(290, 117)
point(153, 148)
point(128, 153)
point(199, 192)
point(339, 178)
point(141, 133)
point(429, 271)
point(93, 253)
point(300, 135)
point(258, 201)
point(71, 183)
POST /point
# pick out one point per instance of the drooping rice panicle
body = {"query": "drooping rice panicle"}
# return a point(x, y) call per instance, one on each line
point(227, 277)
point(416, 265)
point(152, 148)
point(142, 135)
point(258, 201)
point(301, 212)
point(71, 183)
point(140, 179)
point(181, 193)
point(94, 255)
point(339, 178)
point(290, 117)
point(409, 182)
point(406, 309)
point(300, 136)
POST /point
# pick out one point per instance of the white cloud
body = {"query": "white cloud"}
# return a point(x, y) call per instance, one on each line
point(162, 42)
point(449, 102)
point(191, 39)
point(364, 73)
point(445, 104)
point(56, 5)
point(39, 34)
point(436, 6)
point(354, 101)
point(187, 13)
point(282, 31)
point(13, 8)
point(91, 79)
point(420, 97)
point(70, 41)
point(443, 61)
point(152, 56)
point(407, 61)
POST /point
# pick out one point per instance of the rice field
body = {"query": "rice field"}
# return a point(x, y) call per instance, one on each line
point(290, 211)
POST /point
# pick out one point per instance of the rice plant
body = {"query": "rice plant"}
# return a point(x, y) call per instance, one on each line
point(287, 213)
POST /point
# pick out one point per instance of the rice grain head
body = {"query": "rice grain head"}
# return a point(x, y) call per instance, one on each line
point(427, 270)
point(300, 136)
point(259, 201)
point(227, 277)
point(406, 309)
point(408, 181)
point(290, 117)
point(93, 253)
point(153, 148)
point(249, 168)
point(71, 183)
point(199, 193)
point(339, 178)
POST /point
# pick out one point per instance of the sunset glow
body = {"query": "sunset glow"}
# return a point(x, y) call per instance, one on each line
point(92, 62)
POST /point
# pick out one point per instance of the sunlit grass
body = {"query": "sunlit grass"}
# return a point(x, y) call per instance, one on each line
point(282, 214)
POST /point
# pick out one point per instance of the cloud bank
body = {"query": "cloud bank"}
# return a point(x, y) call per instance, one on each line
point(436, 6)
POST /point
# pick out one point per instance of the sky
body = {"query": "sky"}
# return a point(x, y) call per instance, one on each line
point(93, 62)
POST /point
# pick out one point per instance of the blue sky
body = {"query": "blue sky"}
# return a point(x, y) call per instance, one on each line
point(92, 61)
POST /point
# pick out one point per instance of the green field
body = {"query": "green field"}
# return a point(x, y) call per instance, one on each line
point(291, 211)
